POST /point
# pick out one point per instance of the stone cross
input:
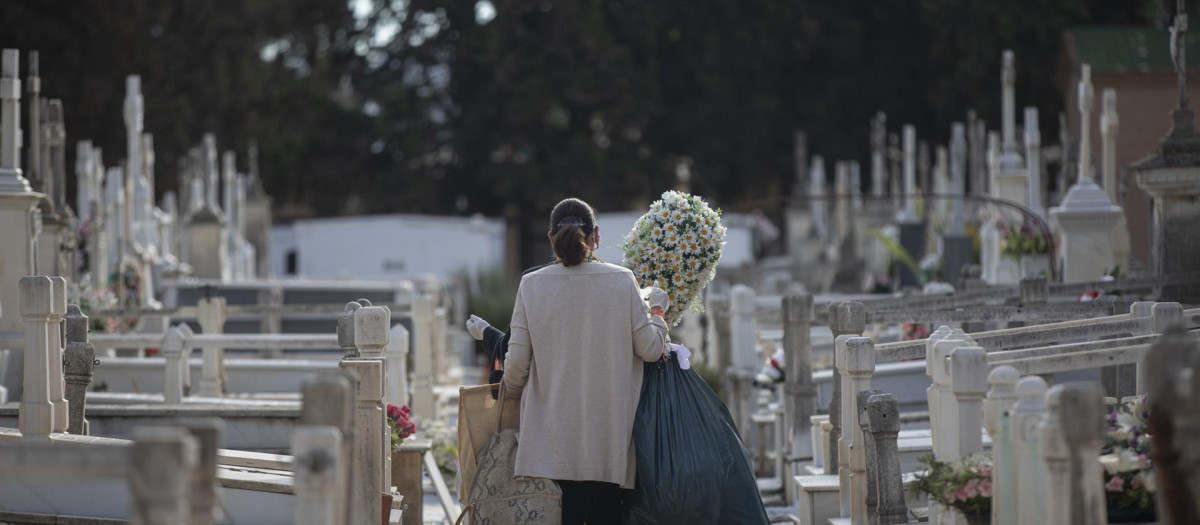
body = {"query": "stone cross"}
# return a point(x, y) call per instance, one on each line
point(202, 493)
point(1033, 159)
point(160, 478)
point(56, 138)
point(896, 171)
point(211, 173)
point(79, 362)
point(883, 410)
point(1179, 50)
point(134, 112)
point(958, 175)
point(1008, 100)
point(84, 191)
point(1086, 93)
point(879, 175)
point(910, 173)
point(33, 171)
point(228, 185)
point(11, 180)
point(148, 161)
point(872, 457)
point(319, 483)
point(1108, 145)
point(114, 199)
point(818, 197)
point(328, 400)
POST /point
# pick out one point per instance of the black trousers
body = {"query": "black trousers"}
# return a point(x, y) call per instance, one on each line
point(591, 502)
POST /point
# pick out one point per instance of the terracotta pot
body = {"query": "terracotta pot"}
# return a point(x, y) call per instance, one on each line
point(387, 506)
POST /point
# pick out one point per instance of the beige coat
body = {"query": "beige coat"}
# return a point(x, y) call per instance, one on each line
point(579, 337)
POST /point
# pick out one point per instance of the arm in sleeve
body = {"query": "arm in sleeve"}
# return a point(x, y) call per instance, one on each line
point(649, 331)
point(520, 352)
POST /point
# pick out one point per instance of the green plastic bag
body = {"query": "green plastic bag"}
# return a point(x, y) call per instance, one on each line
point(691, 464)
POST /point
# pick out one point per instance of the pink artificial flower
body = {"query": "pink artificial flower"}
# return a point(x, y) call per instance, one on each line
point(962, 494)
point(1137, 482)
point(986, 470)
point(950, 495)
point(1115, 484)
point(972, 488)
point(985, 488)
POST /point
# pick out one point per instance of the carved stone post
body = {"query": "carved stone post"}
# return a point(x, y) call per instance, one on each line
point(1057, 460)
point(1083, 428)
point(202, 494)
point(317, 465)
point(742, 329)
point(857, 360)
point(846, 318)
point(1026, 415)
point(1001, 398)
point(58, 308)
point(174, 351)
point(372, 329)
point(1035, 291)
point(871, 455)
point(424, 402)
point(37, 305)
point(884, 413)
point(932, 393)
point(800, 394)
point(366, 472)
point(397, 366)
point(78, 364)
point(211, 313)
point(968, 380)
point(160, 477)
point(328, 400)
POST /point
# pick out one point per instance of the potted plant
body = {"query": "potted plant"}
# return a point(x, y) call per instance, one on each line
point(964, 485)
point(1029, 246)
point(1128, 472)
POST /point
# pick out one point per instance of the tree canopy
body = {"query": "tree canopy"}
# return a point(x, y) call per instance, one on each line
point(503, 107)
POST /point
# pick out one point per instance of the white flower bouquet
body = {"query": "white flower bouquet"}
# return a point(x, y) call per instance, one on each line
point(675, 246)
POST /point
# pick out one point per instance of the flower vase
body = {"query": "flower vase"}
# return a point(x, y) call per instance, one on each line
point(1034, 265)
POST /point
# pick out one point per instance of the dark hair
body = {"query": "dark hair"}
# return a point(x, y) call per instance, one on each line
point(570, 223)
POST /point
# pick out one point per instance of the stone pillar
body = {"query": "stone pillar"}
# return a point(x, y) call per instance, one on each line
point(846, 318)
point(424, 402)
point(968, 375)
point(879, 174)
point(1033, 160)
point(800, 393)
point(1083, 429)
point(258, 214)
point(1109, 122)
point(1001, 397)
point(17, 208)
point(160, 475)
point(328, 400)
point(1056, 458)
point(742, 330)
point(1026, 415)
point(317, 466)
point(944, 426)
point(78, 363)
point(175, 352)
point(871, 455)
point(366, 471)
point(84, 190)
point(856, 359)
point(211, 314)
point(933, 391)
point(819, 199)
point(58, 308)
point(37, 306)
point(910, 176)
point(372, 330)
point(884, 413)
point(397, 366)
point(202, 493)
point(208, 252)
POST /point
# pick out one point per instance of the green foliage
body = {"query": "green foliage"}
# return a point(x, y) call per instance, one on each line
point(901, 256)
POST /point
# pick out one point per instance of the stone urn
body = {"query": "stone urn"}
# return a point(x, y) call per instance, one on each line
point(407, 463)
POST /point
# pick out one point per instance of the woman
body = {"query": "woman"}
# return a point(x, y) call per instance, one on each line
point(580, 333)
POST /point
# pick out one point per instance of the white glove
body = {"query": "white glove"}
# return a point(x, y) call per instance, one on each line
point(659, 298)
point(681, 356)
point(476, 326)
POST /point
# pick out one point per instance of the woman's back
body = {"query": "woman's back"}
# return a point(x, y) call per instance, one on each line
point(579, 337)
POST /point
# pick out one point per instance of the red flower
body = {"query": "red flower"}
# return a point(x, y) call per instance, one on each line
point(394, 411)
point(404, 409)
